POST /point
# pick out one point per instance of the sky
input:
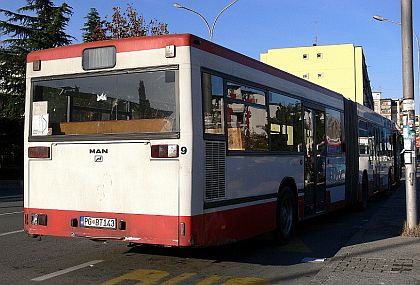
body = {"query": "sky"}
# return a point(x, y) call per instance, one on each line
point(251, 27)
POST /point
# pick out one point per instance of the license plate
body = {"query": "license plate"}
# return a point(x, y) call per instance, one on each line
point(94, 222)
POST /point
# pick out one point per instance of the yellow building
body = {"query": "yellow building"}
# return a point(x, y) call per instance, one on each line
point(341, 68)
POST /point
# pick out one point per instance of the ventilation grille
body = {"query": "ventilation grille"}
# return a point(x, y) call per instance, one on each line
point(215, 170)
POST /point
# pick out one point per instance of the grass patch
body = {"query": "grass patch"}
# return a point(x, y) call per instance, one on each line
point(407, 232)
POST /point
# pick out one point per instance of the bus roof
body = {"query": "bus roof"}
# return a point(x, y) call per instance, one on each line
point(156, 42)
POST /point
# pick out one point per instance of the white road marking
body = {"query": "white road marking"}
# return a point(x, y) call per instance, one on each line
point(64, 271)
point(11, 213)
point(10, 233)
point(313, 260)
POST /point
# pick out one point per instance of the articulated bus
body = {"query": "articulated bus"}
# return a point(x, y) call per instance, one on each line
point(177, 141)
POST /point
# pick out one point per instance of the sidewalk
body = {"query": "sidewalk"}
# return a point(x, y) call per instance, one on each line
point(377, 254)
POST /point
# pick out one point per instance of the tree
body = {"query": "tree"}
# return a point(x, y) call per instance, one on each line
point(38, 25)
point(133, 24)
point(122, 25)
point(12, 70)
point(118, 28)
point(137, 27)
point(94, 27)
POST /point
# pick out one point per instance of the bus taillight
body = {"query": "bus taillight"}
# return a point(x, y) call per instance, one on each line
point(165, 151)
point(39, 152)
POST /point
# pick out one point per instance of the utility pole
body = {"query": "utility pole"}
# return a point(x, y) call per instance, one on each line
point(408, 112)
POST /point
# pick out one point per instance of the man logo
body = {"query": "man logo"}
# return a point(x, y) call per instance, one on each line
point(103, 150)
point(99, 158)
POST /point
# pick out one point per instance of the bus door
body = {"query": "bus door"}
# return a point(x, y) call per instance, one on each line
point(377, 161)
point(315, 161)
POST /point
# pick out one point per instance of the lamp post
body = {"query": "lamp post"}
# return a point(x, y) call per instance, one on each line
point(209, 28)
point(408, 108)
point(380, 18)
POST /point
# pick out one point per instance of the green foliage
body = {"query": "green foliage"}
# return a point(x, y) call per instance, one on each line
point(94, 27)
point(38, 25)
point(12, 84)
point(122, 25)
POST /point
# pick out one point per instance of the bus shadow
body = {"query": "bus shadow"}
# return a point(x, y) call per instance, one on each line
point(11, 199)
point(317, 238)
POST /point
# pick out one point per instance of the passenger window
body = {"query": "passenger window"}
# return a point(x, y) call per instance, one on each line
point(364, 138)
point(334, 133)
point(285, 123)
point(213, 104)
point(246, 117)
point(247, 94)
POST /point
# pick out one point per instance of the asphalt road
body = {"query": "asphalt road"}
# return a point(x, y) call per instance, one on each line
point(51, 260)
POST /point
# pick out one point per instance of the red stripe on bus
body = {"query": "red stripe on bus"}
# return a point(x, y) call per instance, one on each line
point(232, 225)
point(201, 230)
point(152, 229)
point(122, 45)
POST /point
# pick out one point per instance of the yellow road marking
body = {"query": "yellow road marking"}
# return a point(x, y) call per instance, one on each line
point(178, 279)
point(146, 277)
point(246, 281)
point(149, 277)
point(210, 280)
point(295, 245)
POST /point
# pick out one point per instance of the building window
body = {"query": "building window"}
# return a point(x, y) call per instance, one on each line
point(319, 55)
point(305, 56)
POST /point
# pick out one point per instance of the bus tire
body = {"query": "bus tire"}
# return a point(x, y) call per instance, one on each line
point(286, 215)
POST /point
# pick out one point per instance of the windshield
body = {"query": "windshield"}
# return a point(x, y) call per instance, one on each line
point(141, 102)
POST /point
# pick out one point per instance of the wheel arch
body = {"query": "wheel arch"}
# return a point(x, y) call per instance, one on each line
point(290, 182)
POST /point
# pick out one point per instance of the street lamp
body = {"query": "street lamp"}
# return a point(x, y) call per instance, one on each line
point(407, 33)
point(380, 18)
point(210, 29)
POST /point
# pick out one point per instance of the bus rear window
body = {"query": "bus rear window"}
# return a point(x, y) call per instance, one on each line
point(125, 103)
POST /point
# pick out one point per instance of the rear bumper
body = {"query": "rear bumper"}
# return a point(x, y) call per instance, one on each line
point(215, 228)
point(146, 229)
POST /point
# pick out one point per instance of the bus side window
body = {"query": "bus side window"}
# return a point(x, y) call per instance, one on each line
point(364, 139)
point(212, 88)
point(246, 118)
point(285, 123)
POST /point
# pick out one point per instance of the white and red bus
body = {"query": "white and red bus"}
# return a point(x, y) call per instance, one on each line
point(176, 141)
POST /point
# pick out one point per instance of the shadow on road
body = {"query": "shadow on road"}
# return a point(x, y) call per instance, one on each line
point(321, 237)
point(11, 199)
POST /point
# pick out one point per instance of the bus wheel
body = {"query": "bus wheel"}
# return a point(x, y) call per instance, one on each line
point(365, 191)
point(285, 215)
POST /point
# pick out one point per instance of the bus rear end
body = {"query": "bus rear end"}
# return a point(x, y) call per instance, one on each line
point(102, 141)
